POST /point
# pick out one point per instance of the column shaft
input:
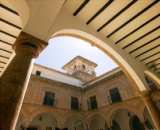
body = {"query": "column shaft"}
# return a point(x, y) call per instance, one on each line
point(152, 108)
point(15, 78)
point(14, 82)
point(154, 112)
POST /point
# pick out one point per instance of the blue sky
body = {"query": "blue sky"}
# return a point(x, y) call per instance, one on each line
point(63, 49)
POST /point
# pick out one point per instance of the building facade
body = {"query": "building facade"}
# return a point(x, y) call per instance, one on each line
point(127, 31)
point(101, 103)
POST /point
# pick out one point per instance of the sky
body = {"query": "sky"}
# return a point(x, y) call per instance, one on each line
point(63, 49)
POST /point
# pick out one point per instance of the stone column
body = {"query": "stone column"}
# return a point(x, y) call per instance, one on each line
point(152, 108)
point(15, 78)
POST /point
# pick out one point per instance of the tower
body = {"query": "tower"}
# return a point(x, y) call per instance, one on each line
point(81, 68)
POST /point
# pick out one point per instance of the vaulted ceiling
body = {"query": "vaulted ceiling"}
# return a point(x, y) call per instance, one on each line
point(132, 25)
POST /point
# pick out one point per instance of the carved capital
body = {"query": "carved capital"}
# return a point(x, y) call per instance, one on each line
point(27, 42)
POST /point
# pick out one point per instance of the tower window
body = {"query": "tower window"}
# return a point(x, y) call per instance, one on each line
point(93, 102)
point(84, 66)
point(115, 96)
point(74, 103)
point(38, 73)
point(49, 99)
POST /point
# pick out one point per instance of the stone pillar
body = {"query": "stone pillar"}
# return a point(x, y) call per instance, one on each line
point(15, 78)
point(152, 108)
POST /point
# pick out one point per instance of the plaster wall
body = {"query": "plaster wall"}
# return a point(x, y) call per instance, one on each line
point(55, 75)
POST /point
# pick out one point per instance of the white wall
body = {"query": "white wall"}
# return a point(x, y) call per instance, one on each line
point(56, 75)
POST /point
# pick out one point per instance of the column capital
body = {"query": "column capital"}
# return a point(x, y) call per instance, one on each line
point(146, 94)
point(30, 43)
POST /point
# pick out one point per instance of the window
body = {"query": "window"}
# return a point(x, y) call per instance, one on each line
point(74, 103)
point(38, 73)
point(115, 96)
point(93, 102)
point(49, 99)
point(84, 67)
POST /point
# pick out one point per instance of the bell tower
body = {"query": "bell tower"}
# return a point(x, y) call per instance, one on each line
point(81, 68)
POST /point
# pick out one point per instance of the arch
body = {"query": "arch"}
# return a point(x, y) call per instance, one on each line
point(137, 80)
point(38, 111)
point(136, 109)
point(127, 115)
point(95, 116)
point(115, 125)
point(70, 114)
point(135, 123)
point(154, 78)
point(99, 113)
point(45, 115)
point(76, 119)
point(22, 9)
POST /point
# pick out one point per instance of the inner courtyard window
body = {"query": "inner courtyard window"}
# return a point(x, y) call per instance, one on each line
point(93, 102)
point(115, 96)
point(49, 99)
point(74, 103)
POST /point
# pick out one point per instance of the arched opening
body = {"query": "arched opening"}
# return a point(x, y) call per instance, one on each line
point(135, 78)
point(115, 125)
point(97, 123)
point(121, 119)
point(74, 123)
point(63, 49)
point(43, 121)
point(135, 123)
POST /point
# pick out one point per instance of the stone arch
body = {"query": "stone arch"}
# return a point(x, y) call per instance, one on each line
point(42, 115)
point(136, 79)
point(70, 114)
point(137, 109)
point(38, 111)
point(126, 112)
point(154, 78)
point(93, 116)
point(135, 123)
point(22, 9)
point(76, 120)
point(90, 115)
